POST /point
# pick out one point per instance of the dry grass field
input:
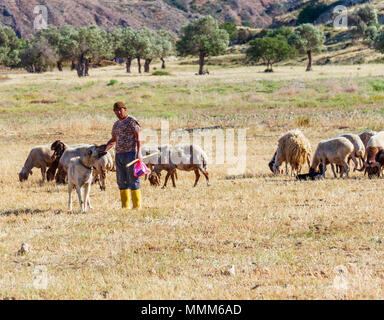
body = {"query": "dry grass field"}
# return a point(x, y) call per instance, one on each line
point(283, 239)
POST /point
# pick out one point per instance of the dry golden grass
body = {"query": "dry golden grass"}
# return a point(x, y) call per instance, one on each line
point(286, 239)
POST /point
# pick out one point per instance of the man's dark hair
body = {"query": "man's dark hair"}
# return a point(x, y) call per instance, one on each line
point(119, 105)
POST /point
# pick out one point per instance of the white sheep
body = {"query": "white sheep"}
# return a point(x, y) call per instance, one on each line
point(294, 149)
point(332, 151)
point(185, 157)
point(359, 148)
point(39, 157)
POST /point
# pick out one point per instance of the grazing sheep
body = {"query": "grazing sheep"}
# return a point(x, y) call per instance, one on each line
point(359, 149)
point(294, 149)
point(374, 145)
point(376, 170)
point(332, 151)
point(80, 176)
point(39, 157)
point(185, 157)
point(366, 135)
point(163, 152)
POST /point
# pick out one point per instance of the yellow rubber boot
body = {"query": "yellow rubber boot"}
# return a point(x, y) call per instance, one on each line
point(136, 198)
point(124, 195)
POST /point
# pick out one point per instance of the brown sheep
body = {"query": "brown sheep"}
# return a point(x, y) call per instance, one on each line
point(39, 157)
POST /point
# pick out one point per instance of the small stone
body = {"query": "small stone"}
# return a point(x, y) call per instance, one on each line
point(25, 248)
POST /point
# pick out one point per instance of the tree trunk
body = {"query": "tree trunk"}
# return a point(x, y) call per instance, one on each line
point(309, 67)
point(86, 68)
point(81, 67)
point(146, 64)
point(163, 63)
point(139, 64)
point(201, 63)
point(60, 65)
point(73, 65)
point(128, 65)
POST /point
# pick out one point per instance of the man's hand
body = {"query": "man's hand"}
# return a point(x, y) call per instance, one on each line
point(140, 156)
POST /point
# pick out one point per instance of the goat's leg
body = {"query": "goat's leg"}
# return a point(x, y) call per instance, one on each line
point(43, 172)
point(87, 191)
point(286, 168)
point(206, 175)
point(173, 178)
point(79, 194)
point(197, 177)
point(166, 179)
point(333, 170)
point(346, 169)
point(103, 176)
point(324, 167)
point(70, 188)
point(354, 162)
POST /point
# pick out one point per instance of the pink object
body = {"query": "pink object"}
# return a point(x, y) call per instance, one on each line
point(140, 169)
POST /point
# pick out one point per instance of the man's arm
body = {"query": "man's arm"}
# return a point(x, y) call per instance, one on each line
point(110, 144)
point(138, 144)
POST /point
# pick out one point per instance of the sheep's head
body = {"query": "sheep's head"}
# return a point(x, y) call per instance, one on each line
point(154, 179)
point(24, 174)
point(271, 163)
point(58, 147)
point(373, 171)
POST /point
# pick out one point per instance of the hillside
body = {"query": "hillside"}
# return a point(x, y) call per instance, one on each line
point(157, 14)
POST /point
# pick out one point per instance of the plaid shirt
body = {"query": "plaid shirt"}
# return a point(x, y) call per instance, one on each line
point(124, 133)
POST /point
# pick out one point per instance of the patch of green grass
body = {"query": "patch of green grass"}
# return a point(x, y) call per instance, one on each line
point(112, 82)
point(377, 85)
point(161, 73)
point(303, 121)
point(270, 86)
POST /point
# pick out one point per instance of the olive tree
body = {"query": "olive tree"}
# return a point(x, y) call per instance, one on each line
point(270, 50)
point(307, 39)
point(167, 43)
point(123, 45)
point(91, 44)
point(10, 46)
point(203, 38)
point(38, 55)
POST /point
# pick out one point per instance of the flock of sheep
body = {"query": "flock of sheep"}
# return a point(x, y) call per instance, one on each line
point(366, 150)
point(83, 164)
point(69, 164)
point(54, 161)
